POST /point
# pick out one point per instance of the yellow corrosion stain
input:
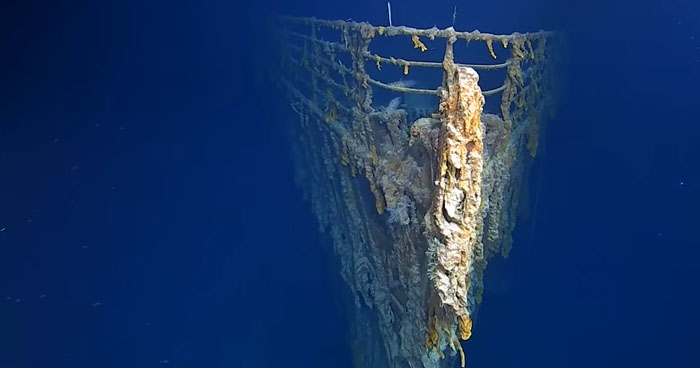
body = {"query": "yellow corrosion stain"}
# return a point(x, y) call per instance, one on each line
point(465, 327)
point(418, 44)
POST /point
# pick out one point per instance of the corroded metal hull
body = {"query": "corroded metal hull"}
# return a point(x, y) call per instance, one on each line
point(414, 201)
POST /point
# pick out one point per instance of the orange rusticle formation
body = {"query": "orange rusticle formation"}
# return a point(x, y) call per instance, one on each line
point(414, 199)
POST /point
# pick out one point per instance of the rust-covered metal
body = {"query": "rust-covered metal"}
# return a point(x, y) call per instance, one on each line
point(415, 198)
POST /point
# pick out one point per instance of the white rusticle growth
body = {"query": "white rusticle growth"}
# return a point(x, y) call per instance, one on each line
point(393, 105)
point(388, 8)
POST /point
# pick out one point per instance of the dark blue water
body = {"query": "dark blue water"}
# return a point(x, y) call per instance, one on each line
point(149, 216)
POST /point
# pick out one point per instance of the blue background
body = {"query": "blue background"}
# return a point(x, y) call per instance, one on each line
point(150, 216)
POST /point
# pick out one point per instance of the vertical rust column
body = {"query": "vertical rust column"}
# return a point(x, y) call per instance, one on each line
point(454, 225)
